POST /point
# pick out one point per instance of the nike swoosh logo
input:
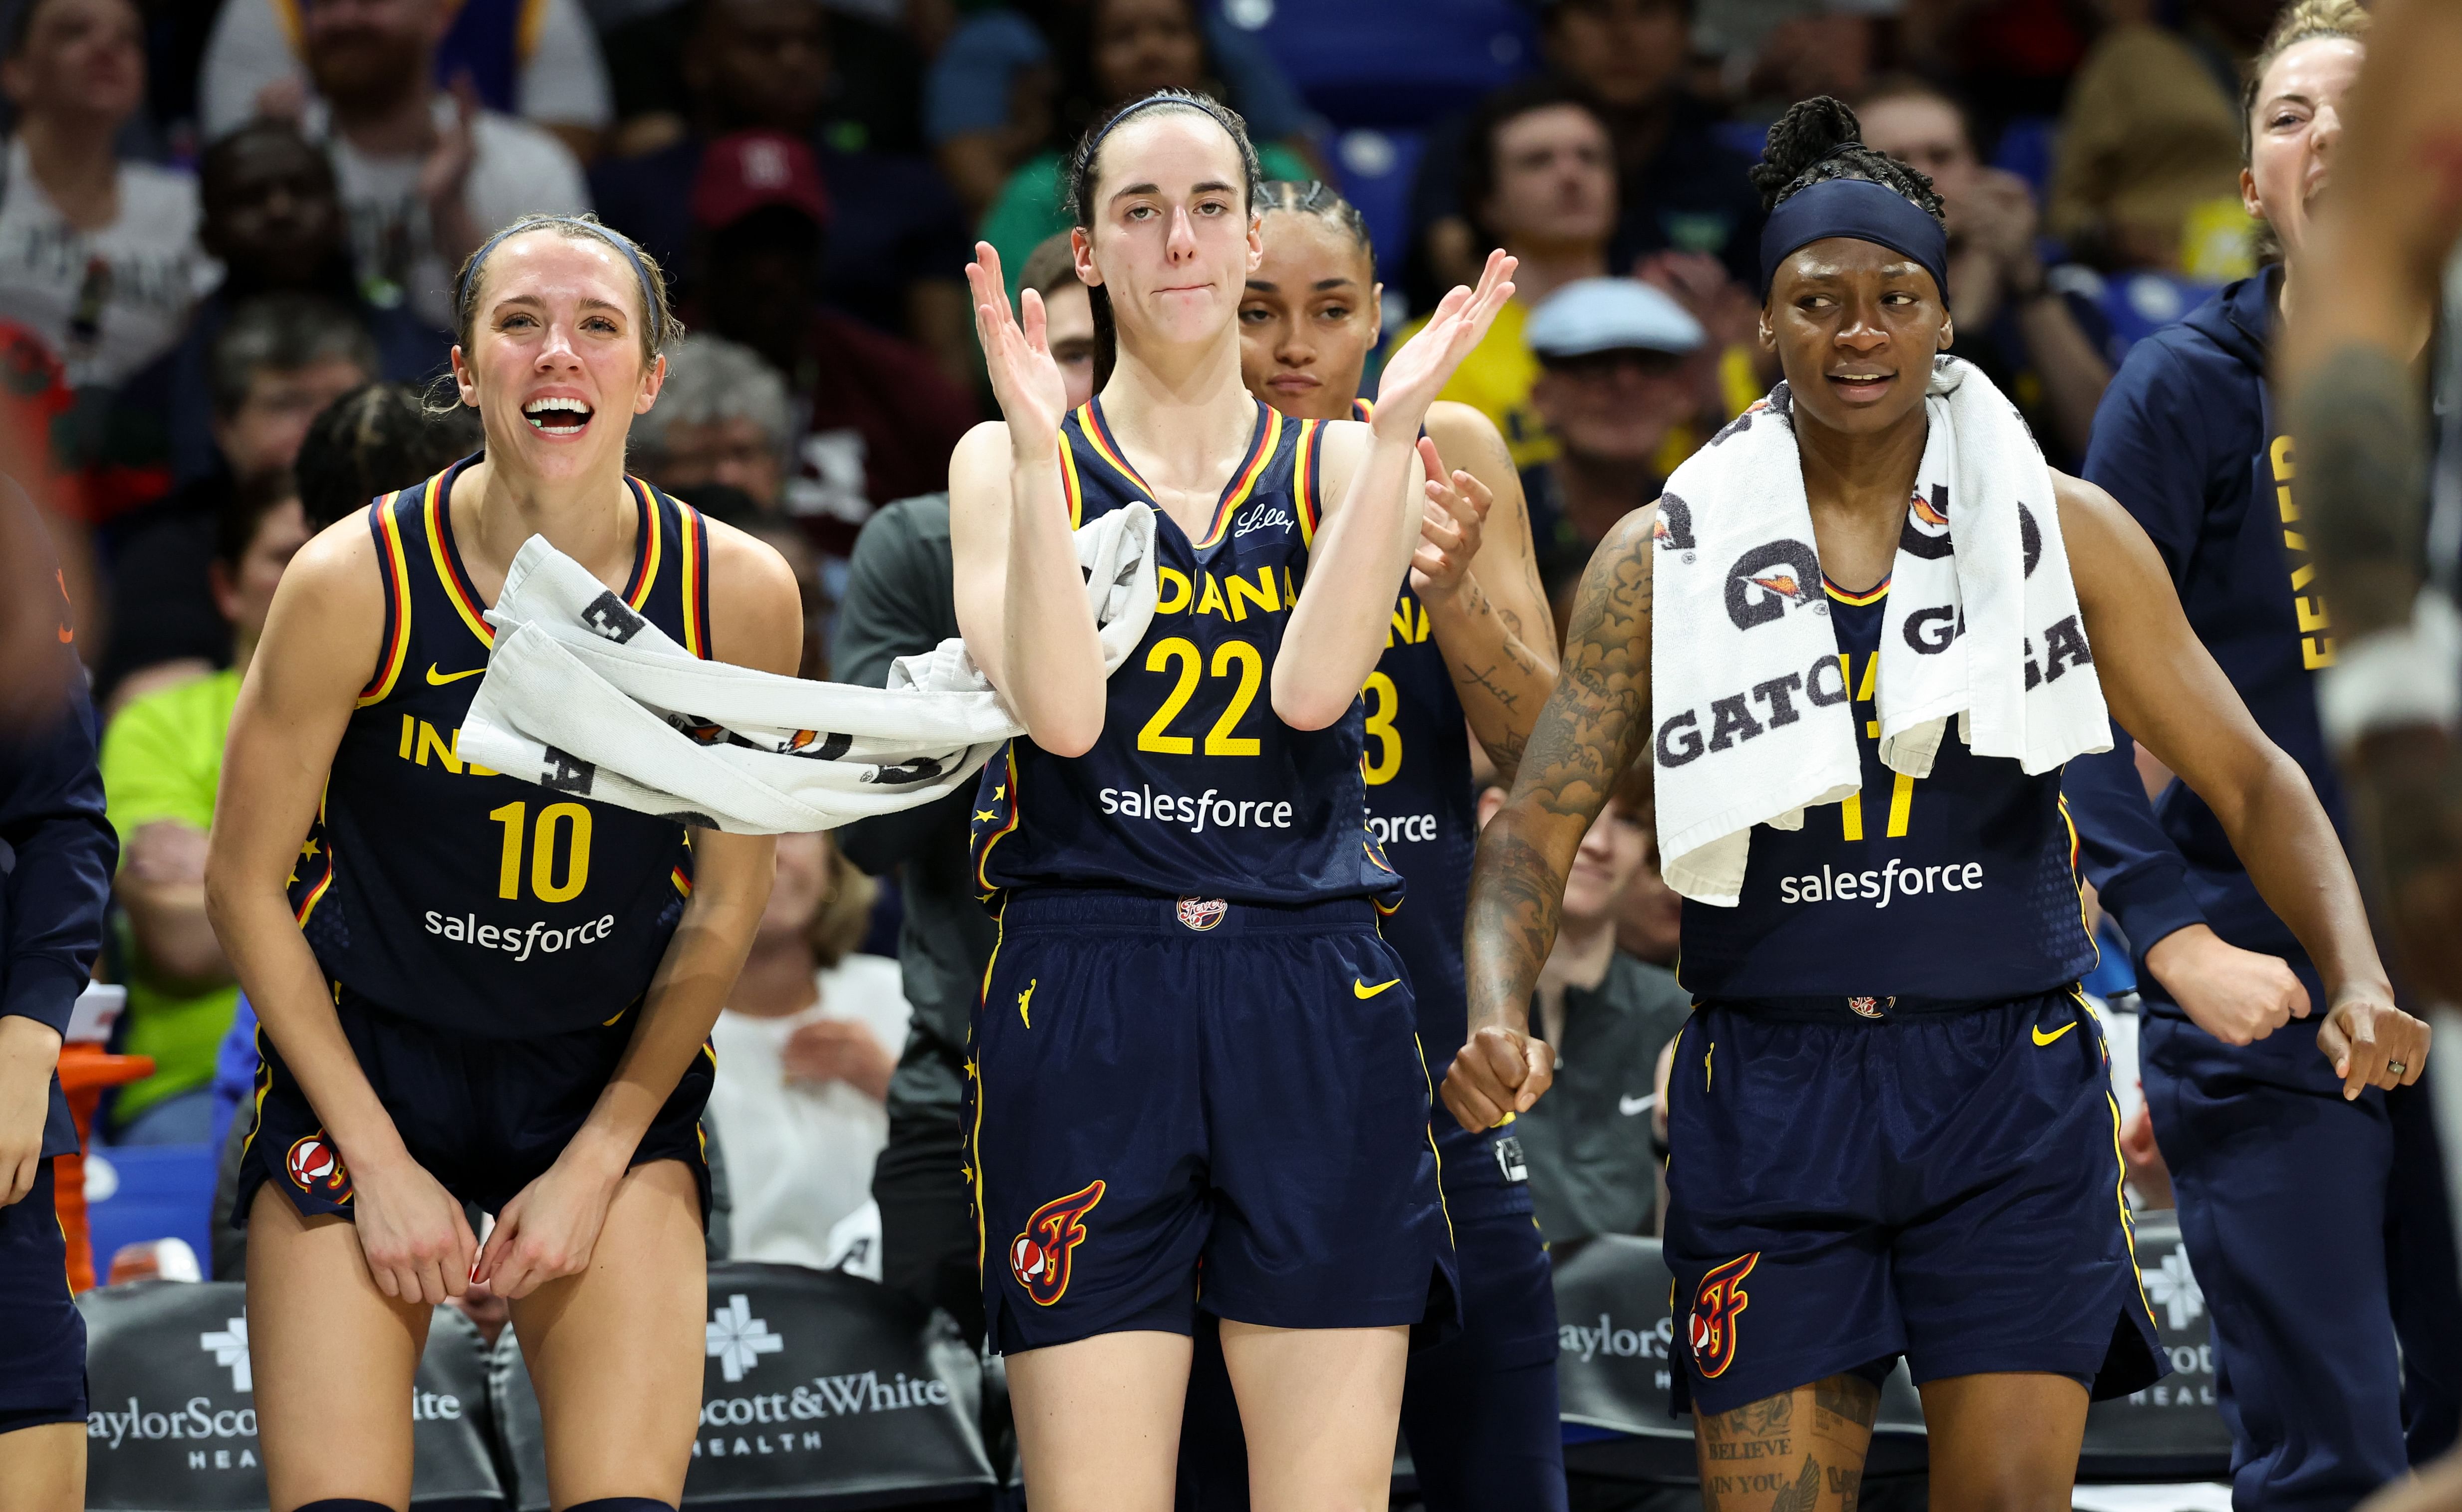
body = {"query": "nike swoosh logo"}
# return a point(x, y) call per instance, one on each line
point(1362, 989)
point(2041, 1038)
point(437, 678)
point(1631, 1105)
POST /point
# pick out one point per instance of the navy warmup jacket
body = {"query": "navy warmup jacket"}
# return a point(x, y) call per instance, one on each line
point(2187, 441)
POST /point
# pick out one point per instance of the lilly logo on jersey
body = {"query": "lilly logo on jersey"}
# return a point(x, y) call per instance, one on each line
point(313, 1162)
point(1266, 518)
point(1039, 1258)
point(1717, 1303)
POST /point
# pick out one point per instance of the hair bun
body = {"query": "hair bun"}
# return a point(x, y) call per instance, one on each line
point(1810, 131)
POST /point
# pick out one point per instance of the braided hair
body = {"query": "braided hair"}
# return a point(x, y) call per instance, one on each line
point(1819, 139)
point(1084, 178)
point(1313, 197)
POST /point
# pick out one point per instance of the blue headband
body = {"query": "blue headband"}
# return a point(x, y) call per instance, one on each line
point(479, 259)
point(1860, 209)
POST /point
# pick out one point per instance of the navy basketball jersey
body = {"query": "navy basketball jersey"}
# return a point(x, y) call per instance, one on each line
point(1420, 808)
point(1958, 887)
point(1195, 787)
point(455, 896)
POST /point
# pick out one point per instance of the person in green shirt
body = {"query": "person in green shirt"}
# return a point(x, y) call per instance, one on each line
point(161, 761)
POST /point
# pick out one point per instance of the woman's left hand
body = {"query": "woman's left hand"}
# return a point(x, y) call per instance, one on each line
point(1450, 530)
point(1426, 362)
point(548, 1231)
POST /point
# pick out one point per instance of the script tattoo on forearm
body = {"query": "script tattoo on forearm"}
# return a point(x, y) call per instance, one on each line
point(1592, 726)
point(2362, 460)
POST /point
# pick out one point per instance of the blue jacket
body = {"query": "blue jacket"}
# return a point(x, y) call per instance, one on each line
point(2187, 441)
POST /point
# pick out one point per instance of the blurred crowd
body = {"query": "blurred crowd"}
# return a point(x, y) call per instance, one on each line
point(228, 229)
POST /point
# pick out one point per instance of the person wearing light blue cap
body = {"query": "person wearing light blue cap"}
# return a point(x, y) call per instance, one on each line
point(1620, 366)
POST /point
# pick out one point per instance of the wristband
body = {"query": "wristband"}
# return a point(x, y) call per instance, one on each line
point(2408, 676)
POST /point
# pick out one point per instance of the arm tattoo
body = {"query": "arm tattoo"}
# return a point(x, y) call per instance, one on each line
point(1506, 698)
point(2362, 459)
point(1594, 724)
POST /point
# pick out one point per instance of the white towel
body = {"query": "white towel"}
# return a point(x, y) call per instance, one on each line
point(1755, 721)
point(584, 696)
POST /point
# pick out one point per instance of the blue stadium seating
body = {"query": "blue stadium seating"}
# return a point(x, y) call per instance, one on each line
point(2025, 149)
point(1389, 62)
point(1377, 169)
point(164, 1192)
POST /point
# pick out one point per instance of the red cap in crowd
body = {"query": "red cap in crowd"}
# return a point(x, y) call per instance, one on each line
point(751, 170)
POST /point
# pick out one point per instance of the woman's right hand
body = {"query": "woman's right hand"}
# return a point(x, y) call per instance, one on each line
point(415, 1238)
point(1026, 379)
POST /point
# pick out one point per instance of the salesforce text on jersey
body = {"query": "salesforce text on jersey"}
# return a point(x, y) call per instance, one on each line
point(1222, 814)
point(519, 942)
point(1890, 881)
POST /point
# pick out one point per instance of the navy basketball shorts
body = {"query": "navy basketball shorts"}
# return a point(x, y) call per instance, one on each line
point(1185, 1103)
point(42, 1334)
point(484, 1118)
point(1843, 1189)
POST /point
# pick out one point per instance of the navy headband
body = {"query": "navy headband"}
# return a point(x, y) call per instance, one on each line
point(522, 227)
point(1860, 209)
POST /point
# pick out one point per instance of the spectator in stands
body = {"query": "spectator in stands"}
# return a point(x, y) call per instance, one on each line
point(1538, 178)
point(537, 59)
point(375, 439)
point(722, 417)
point(273, 366)
point(426, 174)
point(1016, 81)
point(897, 253)
point(2146, 171)
point(1592, 1169)
point(99, 257)
point(804, 1059)
point(161, 762)
point(879, 419)
point(2037, 346)
point(1107, 51)
point(1619, 372)
point(1678, 186)
point(273, 217)
point(1650, 916)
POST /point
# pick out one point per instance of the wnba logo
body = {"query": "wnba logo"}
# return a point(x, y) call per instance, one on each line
point(1714, 1309)
point(1039, 1258)
point(313, 1162)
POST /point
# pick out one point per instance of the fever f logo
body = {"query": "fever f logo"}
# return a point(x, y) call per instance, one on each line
point(1715, 1308)
point(313, 1162)
point(1039, 1257)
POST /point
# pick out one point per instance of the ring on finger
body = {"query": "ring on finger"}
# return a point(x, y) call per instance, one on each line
point(2395, 1068)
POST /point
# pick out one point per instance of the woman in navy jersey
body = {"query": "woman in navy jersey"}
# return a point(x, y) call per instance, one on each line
point(1195, 1081)
point(474, 988)
point(1892, 1127)
point(1471, 633)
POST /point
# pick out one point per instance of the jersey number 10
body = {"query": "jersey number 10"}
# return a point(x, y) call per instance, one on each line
point(570, 818)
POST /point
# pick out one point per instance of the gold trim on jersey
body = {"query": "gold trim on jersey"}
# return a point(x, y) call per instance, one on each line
point(395, 567)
